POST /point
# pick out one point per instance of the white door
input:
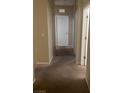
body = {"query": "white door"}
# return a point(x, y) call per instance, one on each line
point(62, 27)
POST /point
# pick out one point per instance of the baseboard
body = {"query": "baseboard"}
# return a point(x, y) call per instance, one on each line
point(42, 63)
point(78, 62)
point(87, 84)
point(52, 60)
point(46, 63)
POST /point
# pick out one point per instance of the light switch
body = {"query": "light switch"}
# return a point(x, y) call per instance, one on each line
point(42, 35)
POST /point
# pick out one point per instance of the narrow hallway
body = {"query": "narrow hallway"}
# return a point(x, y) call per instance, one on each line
point(62, 76)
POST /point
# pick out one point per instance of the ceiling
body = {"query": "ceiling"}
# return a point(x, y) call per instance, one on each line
point(64, 2)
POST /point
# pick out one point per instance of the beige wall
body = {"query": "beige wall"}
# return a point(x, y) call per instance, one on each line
point(40, 44)
point(71, 30)
point(78, 29)
point(69, 10)
point(42, 30)
point(51, 28)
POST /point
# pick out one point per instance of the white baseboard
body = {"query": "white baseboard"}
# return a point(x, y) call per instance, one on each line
point(45, 63)
point(42, 63)
point(51, 60)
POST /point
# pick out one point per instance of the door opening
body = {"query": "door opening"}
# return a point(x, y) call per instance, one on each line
point(61, 30)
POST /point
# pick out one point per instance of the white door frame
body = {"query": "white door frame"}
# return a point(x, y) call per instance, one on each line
point(85, 30)
point(56, 30)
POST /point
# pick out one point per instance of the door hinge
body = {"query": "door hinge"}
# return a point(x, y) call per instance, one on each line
point(84, 57)
point(85, 37)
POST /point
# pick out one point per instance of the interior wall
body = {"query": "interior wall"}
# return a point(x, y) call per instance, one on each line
point(51, 28)
point(78, 29)
point(75, 27)
point(43, 31)
point(71, 30)
point(40, 31)
point(69, 10)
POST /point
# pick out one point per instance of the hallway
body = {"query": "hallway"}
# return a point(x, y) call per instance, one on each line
point(64, 51)
point(61, 76)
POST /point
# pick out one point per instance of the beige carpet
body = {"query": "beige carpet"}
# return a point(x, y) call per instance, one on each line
point(62, 76)
point(61, 51)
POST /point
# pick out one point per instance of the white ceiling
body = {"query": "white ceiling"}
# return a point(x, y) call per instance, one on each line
point(64, 2)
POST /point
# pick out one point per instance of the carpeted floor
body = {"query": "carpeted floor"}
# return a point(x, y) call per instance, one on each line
point(61, 51)
point(62, 76)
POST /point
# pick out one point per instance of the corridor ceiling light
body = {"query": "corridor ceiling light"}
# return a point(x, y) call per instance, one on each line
point(61, 10)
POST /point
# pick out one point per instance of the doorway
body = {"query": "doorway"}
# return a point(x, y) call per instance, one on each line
point(61, 28)
point(64, 34)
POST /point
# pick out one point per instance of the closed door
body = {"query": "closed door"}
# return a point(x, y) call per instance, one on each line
point(62, 28)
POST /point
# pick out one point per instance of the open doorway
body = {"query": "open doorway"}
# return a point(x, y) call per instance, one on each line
point(61, 30)
point(64, 30)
